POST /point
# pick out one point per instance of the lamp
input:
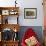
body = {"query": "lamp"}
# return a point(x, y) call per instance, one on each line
point(15, 30)
point(15, 3)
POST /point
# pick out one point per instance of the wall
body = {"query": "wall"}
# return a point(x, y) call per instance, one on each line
point(37, 30)
point(27, 4)
point(31, 4)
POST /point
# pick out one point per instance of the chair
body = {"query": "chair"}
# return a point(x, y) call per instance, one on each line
point(29, 33)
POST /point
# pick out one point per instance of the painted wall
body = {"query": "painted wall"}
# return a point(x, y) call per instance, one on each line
point(37, 29)
point(31, 4)
point(26, 4)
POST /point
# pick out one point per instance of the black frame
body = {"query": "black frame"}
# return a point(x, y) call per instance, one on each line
point(30, 9)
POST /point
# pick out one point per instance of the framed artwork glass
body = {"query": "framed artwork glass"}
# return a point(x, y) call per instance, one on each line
point(30, 13)
point(5, 12)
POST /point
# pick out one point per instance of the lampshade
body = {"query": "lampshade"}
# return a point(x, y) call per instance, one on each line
point(15, 30)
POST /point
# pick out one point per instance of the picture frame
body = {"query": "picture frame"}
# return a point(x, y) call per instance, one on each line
point(5, 12)
point(30, 13)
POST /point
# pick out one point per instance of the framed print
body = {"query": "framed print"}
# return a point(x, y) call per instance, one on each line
point(30, 13)
point(5, 12)
point(11, 12)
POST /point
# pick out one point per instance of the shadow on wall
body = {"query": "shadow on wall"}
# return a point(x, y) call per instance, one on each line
point(37, 29)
